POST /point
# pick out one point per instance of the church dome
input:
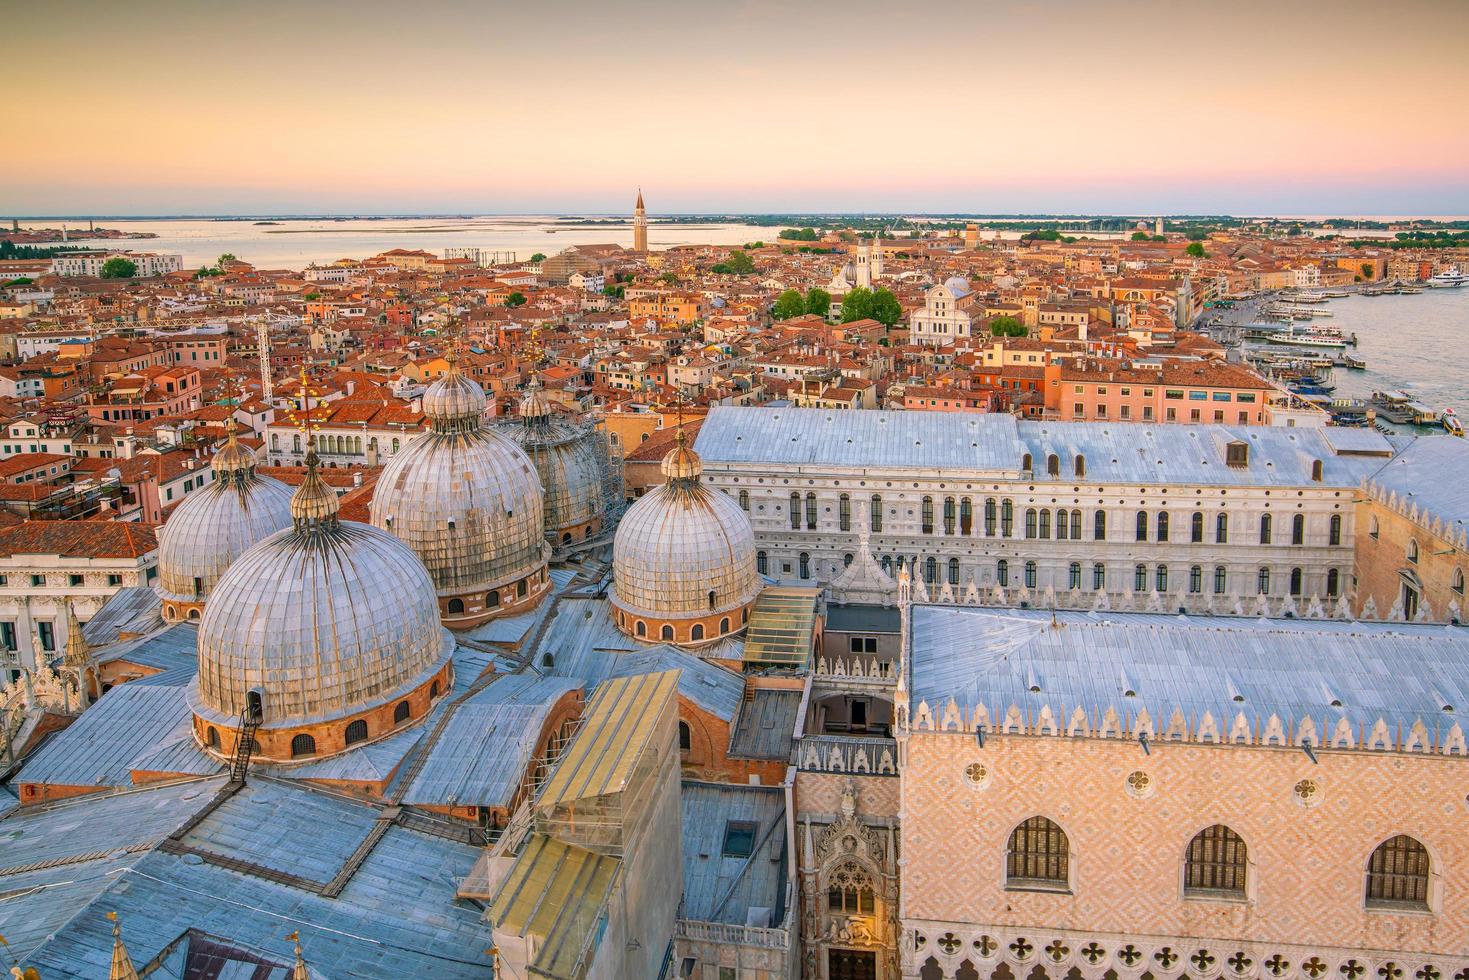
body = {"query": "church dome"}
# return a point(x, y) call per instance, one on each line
point(467, 500)
point(329, 621)
point(571, 461)
point(683, 560)
point(215, 525)
point(957, 285)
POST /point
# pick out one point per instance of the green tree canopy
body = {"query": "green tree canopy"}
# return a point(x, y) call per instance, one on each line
point(21, 281)
point(1196, 249)
point(515, 299)
point(885, 307)
point(226, 257)
point(800, 235)
point(739, 263)
point(119, 268)
point(818, 301)
point(1007, 326)
point(789, 303)
point(857, 305)
point(538, 257)
point(1140, 236)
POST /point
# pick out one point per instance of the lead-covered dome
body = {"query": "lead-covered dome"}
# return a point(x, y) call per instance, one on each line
point(572, 463)
point(683, 560)
point(467, 500)
point(215, 525)
point(332, 623)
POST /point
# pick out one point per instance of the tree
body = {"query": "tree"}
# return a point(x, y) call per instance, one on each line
point(226, 257)
point(119, 268)
point(739, 263)
point(20, 281)
point(538, 257)
point(818, 301)
point(668, 279)
point(311, 297)
point(1369, 271)
point(885, 307)
point(789, 303)
point(857, 305)
point(1196, 249)
point(1139, 236)
point(1007, 326)
point(515, 299)
point(799, 234)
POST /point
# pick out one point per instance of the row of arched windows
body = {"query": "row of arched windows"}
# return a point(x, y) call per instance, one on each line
point(958, 516)
point(695, 633)
point(303, 744)
point(493, 598)
point(1216, 865)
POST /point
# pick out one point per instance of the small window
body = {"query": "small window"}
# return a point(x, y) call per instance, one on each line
point(684, 738)
point(356, 732)
point(401, 713)
point(1237, 454)
point(456, 606)
point(302, 745)
point(697, 632)
point(1457, 582)
point(739, 838)
point(1397, 875)
point(1215, 866)
point(1412, 551)
point(212, 738)
point(1037, 856)
point(667, 632)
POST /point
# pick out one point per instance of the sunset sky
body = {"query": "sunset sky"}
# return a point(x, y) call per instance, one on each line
point(1284, 106)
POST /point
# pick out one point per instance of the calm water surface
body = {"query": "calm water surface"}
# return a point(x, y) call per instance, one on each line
point(295, 244)
point(1410, 343)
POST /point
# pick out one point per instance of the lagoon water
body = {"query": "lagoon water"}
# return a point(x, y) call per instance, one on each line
point(296, 243)
point(1410, 343)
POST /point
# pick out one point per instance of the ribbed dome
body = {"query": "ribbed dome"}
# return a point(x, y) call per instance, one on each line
point(326, 619)
point(466, 499)
point(568, 461)
point(454, 403)
point(214, 526)
point(680, 542)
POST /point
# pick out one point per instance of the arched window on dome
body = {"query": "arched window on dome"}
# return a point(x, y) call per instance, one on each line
point(697, 632)
point(685, 739)
point(667, 632)
point(724, 625)
point(212, 738)
point(170, 613)
point(302, 745)
point(641, 629)
point(402, 713)
point(433, 689)
point(744, 616)
point(493, 599)
point(193, 614)
point(356, 732)
point(456, 606)
point(712, 597)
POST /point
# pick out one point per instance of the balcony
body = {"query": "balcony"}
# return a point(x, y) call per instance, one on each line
point(865, 668)
point(837, 753)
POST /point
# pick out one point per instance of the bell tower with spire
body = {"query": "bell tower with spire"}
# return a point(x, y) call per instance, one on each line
point(639, 225)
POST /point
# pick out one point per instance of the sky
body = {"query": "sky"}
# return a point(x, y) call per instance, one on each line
point(561, 106)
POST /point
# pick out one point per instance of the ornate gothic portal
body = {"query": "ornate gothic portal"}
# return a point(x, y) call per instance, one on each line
point(849, 898)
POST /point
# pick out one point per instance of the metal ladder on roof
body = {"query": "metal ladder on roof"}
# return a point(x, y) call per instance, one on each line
point(244, 745)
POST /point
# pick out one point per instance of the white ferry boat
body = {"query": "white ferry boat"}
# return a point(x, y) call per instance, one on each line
point(1449, 278)
point(1328, 337)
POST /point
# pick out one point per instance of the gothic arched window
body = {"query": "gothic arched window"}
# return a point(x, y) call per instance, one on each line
point(1037, 855)
point(1215, 865)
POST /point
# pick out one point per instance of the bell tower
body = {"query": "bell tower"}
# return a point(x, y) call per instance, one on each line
point(639, 225)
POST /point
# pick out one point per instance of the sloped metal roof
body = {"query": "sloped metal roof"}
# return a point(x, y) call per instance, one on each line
point(556, 892)
point(1224, 665)
point(766, 726)
point(617, 728)
point(395, 917)
point(993, 446)
point(717, 888)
